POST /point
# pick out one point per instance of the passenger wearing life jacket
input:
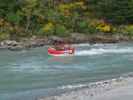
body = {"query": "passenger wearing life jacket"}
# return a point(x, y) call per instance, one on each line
point(61, 45)
point(59, 48)
point(68, 47)
point(58, 45)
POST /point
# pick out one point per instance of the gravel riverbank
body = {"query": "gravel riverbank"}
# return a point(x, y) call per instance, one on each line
point(115, 89)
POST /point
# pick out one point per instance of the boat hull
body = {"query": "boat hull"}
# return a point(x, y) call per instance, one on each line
point(54, 52)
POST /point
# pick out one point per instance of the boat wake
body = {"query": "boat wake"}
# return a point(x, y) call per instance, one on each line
point(103, 51)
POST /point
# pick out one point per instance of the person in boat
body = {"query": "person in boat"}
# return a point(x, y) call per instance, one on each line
point(58, 45)
point(61, 45)
point(67, 46)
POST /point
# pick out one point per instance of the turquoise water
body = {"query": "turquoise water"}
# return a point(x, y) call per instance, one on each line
point(27, 75)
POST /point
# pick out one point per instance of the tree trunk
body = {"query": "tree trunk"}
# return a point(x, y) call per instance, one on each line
point(28, 23)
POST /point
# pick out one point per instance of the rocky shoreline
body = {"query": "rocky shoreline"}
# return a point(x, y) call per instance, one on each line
point(97, 91)
point(75, 38)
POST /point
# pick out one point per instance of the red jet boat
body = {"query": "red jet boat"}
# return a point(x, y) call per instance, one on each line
point(65, 52)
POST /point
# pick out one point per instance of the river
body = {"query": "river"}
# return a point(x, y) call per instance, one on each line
point(29, 74)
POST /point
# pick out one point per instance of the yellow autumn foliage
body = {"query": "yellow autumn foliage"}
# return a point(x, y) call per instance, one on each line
point(66, 8)
point(48, 27)
point(104, 28)
point(69, 6)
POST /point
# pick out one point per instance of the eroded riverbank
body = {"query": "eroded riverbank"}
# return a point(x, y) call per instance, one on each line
point(75, 38)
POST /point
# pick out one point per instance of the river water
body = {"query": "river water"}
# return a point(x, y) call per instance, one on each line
point(29, 74)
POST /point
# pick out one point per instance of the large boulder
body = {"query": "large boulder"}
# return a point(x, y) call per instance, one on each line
point(103, 39)
point(16, 48)
point(78, 37)
point(9, 43)
point(37, 42)
point(52, 39)
point(34, 42)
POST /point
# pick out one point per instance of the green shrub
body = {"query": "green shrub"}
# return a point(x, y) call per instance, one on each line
point(129, 30)
point(124, 30)
point(40, 32)
point(85, 27)
point(14, 18)
point(61, 30)
point(92, 29)
point(4, 36)
point(47, 29)
point(82, 27)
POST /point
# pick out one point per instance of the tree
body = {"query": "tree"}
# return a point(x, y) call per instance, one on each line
point(28, 11)
point(115, 11)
